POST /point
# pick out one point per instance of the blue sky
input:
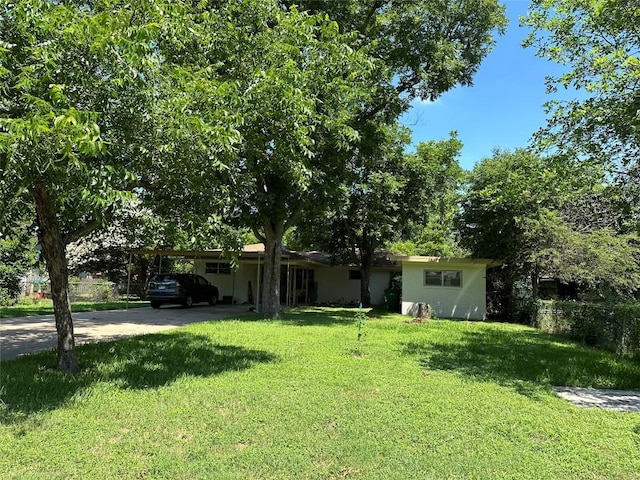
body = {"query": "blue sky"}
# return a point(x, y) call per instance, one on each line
point(502, 109)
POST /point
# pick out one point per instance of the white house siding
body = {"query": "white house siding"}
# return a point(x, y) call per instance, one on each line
point(467, 301)
point(334, 285)
point(235, 284)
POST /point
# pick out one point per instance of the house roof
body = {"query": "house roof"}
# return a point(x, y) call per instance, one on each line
point(382, 259)
point(450, 260)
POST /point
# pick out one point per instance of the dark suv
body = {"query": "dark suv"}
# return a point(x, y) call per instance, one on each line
point(182, 288)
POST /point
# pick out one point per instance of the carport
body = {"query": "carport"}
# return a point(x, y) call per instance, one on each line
point(298, 285)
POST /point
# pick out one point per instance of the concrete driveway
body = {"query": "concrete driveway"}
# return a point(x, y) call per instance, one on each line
point(23, 335)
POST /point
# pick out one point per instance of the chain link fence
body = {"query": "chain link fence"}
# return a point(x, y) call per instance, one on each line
point(79, 291)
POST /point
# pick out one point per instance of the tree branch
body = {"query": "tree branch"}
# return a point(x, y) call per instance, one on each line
point(259, 235)
point(404, 87)
point(86, 228)
point(294, 217)
point(372, 10)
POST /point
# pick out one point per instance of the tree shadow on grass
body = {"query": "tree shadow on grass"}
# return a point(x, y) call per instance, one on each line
point(143, 362)
point(527, 361)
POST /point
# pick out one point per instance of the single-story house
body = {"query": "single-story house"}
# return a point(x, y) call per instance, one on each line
point(453, 287)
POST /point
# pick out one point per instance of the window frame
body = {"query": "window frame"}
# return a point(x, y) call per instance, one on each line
point(221, 268)
point(442, 274)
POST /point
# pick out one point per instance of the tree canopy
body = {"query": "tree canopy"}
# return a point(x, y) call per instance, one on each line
point(384, 193)
point(520, 208)
point(81, 101)
point(416, 49)
point(435, 180)
point(599, 44)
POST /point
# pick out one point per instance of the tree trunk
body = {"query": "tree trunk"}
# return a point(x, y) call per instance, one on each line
point(272, 261)
point(535, 282)
point(53, 250)
point(366, 259)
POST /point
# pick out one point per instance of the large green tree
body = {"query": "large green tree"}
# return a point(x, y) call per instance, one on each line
point(417, 49)
point(300, 84)
point(599, 44)
point(435, 179)
point(80, 93)
point(368, 209)
point(521, 208)
point(310, 78)
point(599, 260)
point(384, 193)
point(504, 193)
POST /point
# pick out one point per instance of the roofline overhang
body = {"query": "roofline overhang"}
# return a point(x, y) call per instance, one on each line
point(298, 259)
point(449, 260)
point(243, 257)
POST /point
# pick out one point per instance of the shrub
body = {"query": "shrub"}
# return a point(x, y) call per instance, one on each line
point(610, 326)
point(9, 289)
point(15, 260)
point(525, 310)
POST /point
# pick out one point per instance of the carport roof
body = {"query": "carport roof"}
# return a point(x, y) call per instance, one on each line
point(249, 252)
point(382, 259)
point(254, 251)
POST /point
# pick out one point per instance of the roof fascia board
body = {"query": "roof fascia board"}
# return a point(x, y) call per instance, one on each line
point(452, 261)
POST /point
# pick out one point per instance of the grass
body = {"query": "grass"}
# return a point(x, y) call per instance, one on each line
point(30, 307)
point(301, 398)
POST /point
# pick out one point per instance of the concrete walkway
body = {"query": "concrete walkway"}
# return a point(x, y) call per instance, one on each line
point(24, 335)
point(619, 400)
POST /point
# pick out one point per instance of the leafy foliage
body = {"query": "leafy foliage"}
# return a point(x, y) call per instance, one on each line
point(600, 45)
point(600, 259)
point(507, 195)
point(357, 74)
point(387, 194)
point(523, 210)
point(78, 87)
point(431, 200)
point(17, 255)
point(68, 93)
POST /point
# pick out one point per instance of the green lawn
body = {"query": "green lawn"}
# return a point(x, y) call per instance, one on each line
point(300, 398)
point(29, 307)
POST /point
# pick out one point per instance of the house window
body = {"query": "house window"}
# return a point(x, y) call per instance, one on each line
point(221, 268)
point(443, 278)
point(354, 275)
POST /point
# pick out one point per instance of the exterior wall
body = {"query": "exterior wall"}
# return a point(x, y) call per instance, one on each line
point(467, 301)
point(235, 284)
point(334, 285)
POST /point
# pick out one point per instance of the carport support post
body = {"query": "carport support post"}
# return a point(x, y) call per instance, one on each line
point(258, 289)
point(233, 285)
point(288, 280)
point(126, 306)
